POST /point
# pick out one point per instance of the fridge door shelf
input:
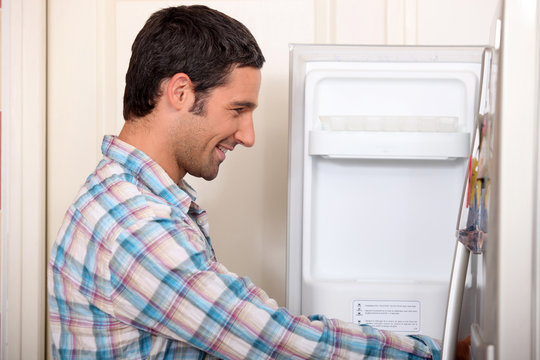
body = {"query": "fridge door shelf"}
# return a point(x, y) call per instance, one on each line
point(409, 307)
point(389, 145)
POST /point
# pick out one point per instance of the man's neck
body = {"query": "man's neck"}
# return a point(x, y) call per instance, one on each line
point(151, 141)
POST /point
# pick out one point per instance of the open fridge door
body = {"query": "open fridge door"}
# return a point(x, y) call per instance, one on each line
point(380, 138)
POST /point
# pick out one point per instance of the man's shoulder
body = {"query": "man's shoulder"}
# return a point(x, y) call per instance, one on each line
point(111, 202)
point(108, 179)
point(113, 195)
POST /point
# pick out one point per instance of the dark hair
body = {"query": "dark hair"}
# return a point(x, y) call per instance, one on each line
point(201, 42)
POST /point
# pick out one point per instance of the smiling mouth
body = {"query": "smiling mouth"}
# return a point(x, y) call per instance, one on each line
point(223, 150)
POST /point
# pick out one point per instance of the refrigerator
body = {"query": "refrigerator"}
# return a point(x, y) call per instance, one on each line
point(380, 141)
point(398, 217)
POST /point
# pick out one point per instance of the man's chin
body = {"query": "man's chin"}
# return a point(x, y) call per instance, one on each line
point(205, 173)
point(209, 176)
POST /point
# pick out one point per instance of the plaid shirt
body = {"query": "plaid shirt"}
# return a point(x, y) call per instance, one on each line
point(133, 275)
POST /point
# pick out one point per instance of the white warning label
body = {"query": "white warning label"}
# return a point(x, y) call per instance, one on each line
point(403, 316)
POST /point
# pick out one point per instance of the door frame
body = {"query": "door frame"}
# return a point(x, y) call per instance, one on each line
point(23, 235)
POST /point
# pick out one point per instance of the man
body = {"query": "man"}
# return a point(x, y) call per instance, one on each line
point(133, 274)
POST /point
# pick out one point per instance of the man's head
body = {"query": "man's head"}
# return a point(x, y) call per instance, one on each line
point(195, 40)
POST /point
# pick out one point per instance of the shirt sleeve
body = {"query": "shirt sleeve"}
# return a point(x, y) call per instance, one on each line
point(163, 281)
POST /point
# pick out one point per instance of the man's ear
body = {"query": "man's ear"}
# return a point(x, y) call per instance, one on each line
point(179, 91)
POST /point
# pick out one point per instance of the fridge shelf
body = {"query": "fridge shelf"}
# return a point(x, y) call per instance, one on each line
point(389, 144)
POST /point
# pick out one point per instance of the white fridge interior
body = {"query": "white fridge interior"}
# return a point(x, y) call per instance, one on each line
point(380, 139)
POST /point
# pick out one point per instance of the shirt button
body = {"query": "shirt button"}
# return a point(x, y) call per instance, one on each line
point(200, 221)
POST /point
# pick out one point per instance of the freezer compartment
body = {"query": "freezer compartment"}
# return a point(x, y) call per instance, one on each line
point(400, 96)
point(403, 110)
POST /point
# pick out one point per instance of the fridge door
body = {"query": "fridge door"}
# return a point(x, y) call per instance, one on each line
point(380, 139)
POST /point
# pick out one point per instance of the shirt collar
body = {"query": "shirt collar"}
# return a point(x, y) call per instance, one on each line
point(148, 172)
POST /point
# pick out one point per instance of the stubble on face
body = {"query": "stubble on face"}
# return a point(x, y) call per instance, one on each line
point(201, 139)
point(185, 148)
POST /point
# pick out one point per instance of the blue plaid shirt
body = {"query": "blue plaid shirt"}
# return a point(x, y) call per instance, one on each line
point(132, 275)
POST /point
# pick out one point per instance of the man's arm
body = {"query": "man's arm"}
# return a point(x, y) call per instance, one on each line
point(165, 283)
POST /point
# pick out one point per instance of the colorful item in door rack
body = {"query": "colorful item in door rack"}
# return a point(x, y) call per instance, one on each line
point(474, 236)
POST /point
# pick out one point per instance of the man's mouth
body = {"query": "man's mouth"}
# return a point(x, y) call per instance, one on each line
point(223, 150)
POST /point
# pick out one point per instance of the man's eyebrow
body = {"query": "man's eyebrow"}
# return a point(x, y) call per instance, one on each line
point(247, 104)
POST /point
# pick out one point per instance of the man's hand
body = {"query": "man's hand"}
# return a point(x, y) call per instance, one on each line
point(463, 348)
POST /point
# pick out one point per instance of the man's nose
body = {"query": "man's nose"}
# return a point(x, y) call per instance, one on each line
point(246, 132)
